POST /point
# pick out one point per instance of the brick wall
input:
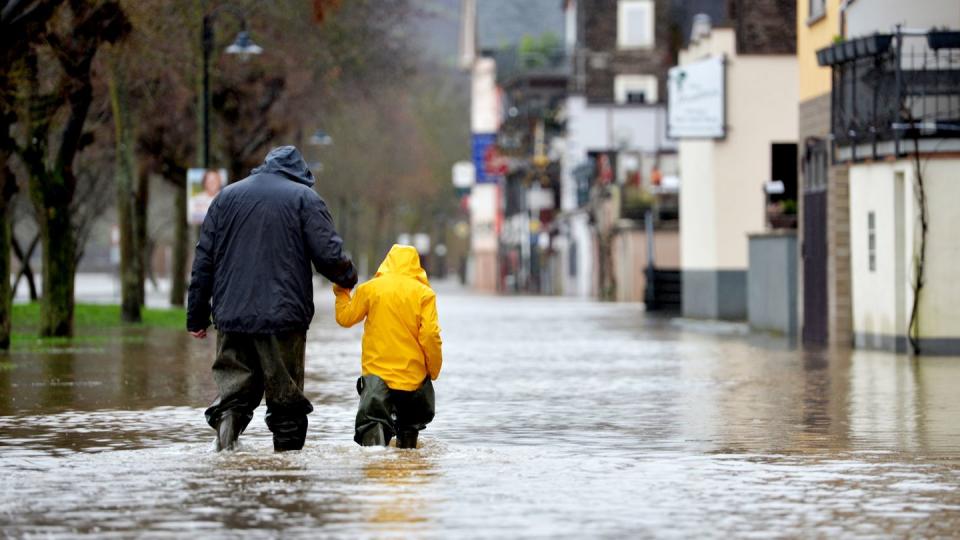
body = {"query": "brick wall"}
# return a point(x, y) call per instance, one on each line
point(764, 26)
point(840, 312)
point(604, 60)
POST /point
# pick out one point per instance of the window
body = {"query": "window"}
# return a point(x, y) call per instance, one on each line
point(872, 241)
point(572, 262)
point(815, 162)
point(635, 89)
point(635, 24)
point(816, 10)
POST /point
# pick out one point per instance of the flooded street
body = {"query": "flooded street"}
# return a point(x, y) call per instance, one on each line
point(555, 418)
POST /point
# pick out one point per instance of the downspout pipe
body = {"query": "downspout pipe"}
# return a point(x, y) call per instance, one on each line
point(844, 5)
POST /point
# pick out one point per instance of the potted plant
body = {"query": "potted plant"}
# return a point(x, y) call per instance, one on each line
point(850, 50)
point(826, 56)
point(942, 39)
point(783, 214)
point(861, 47)
point(635, 203)
point(878, 43)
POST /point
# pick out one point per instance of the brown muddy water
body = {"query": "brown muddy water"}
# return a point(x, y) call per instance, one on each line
point(555, 418)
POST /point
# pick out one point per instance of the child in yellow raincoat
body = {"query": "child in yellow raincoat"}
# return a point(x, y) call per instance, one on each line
point(401, 349)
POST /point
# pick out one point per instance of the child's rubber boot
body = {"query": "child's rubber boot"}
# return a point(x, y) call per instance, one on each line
point(228, 433)
point(407, 439)
point(374, 436)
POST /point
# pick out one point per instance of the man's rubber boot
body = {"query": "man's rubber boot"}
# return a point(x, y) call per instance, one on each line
point(374, 436)
point(228, 432)
point(407, 439)
point(289, 434)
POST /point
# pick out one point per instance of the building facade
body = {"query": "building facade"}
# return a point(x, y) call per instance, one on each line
point(895, 123)
point(824, 229)
point(493, 51)
point(732, 104)
point(615, 151)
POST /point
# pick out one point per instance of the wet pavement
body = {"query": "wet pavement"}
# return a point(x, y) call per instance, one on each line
point(555, 418)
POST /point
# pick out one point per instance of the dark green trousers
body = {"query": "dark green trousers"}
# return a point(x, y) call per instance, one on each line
point(396, 410)
point(251, 365)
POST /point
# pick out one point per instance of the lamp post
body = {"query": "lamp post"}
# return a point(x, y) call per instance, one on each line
point(322, 139)
point(242, 45)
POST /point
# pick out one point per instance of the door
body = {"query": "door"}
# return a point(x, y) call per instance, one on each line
point(814, 248)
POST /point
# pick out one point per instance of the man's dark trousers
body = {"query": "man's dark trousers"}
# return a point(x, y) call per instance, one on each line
point(249, 365)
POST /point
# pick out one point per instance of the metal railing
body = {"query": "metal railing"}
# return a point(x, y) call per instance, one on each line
point(891, 88)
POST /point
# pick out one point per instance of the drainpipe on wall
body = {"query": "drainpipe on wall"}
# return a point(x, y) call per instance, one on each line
point(844, 5)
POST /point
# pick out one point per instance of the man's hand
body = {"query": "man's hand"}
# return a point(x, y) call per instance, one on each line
point(199, 334)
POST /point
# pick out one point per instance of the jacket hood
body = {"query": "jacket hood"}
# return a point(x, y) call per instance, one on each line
point(286, 161)
point(403, 260)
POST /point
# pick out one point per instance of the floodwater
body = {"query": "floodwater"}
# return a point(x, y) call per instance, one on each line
point(556, 418)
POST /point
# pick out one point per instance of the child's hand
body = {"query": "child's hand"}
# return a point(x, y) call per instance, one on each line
point(340, 290)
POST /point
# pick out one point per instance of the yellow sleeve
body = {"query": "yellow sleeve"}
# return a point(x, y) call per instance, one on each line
point(429, 336)
point(350, 311)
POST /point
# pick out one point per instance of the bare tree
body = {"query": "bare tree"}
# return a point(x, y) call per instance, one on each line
point(57, 95)
point(21, 22)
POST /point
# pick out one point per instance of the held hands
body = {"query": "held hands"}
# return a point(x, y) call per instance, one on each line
point(338, 290)
point(199, 334)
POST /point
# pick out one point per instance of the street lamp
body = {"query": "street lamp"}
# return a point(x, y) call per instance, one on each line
point(242, 45)
point(321, 138)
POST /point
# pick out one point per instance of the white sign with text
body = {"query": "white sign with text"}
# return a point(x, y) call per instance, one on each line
point(696, 100)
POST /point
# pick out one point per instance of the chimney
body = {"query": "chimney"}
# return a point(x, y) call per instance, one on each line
point(701, 27)
point(468, 33)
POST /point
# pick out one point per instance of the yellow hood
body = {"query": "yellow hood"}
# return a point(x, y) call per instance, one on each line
point(401, 335)
point(403, 260)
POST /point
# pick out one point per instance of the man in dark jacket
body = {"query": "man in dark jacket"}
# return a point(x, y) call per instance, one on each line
point(253, 259)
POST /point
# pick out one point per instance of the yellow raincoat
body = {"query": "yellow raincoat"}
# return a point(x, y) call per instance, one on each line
point(401, 338)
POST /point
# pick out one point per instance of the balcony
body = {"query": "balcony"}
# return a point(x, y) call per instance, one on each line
point(546, 62)
point(894, 94)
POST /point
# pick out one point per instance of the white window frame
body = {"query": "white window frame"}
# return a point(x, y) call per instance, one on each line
point(623, 7)
point(624, 84)
point(816, 10)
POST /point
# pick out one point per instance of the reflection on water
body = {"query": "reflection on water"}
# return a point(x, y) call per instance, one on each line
point(400, 482)
point(555, 418)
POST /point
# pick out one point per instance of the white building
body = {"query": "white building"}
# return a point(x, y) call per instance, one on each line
point(899, 130)
point(632, 131)
point(615, 109)
point(733, 113)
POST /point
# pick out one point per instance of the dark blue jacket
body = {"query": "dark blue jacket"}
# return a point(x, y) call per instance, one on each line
point(256, 245)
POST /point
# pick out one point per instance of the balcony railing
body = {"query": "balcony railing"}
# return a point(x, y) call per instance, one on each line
point(889, 89)
point(518, 62)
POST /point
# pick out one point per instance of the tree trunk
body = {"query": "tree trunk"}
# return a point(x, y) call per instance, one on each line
point(378, 241)
point(8, 186)
point(59, 271)
point(125, 172)
point(26, 271)
point(178, 277)
point(607, 282)
point(142, 199)
point(53, 183)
